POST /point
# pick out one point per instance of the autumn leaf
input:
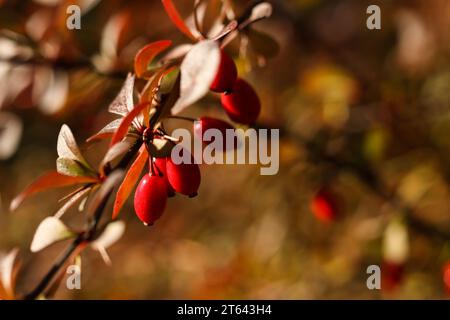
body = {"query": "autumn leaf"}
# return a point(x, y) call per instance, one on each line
point(49, 180)
point(198, 71)
point(67, 146)
point(73, 168)
point(122, 130)
point(112, 233)
point(106, 132)
point(49, 231)
point(258, 12)
point(130, 180)
point(113, 34)
point(174, 15)
point(8, 273)
point(11, 128)
point(123, 103)
point(145, 56)
point(109, 130)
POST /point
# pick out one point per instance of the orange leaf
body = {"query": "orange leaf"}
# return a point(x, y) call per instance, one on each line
point(122, 130)
point(130, 180)
point(176, 19)
point(145, 56)
point(49, 180)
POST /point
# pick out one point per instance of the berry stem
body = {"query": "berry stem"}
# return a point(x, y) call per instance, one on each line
point(151, 164)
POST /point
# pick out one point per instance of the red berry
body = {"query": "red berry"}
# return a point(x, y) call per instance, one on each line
point(150, 198)
point(206, 123)
point(226, 75)
point(160, 164)
point(324, 206)
point(391, 275)
point(446, 276)
point(184, 177)
point(242, 104)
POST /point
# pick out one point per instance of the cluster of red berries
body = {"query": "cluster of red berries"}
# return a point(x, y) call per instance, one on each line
point(166, 178)
point(238, 97)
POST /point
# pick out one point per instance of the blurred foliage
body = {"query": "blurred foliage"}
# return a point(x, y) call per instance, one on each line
point(365, 113)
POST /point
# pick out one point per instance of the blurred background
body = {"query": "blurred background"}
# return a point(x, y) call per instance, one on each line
point(364, 115)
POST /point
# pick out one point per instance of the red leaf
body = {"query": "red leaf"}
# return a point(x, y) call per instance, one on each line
point(147, 54)
point(49, 180)
point(130, 180)
point(122, 130)
point(176, 19)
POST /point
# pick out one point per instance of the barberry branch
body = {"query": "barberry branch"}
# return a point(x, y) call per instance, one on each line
point(86, 236)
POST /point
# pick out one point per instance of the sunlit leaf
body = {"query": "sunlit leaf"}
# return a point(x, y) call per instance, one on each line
point(174, 15)
point(108, 131)
point(112, 233)
point(49, 231)
point(8, 273)
point(123, 103)
point(105, 132)
point(145, 56)
point(10, 134)
point(67, 146)
point(56, 92)
point(122, 131)
point(49, 180)
point(198, 71)
point(113, 33)
point(260, 11)
point(130, 180)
